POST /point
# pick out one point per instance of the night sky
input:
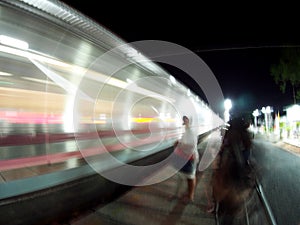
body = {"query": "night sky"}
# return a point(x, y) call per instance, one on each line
point(238, 45)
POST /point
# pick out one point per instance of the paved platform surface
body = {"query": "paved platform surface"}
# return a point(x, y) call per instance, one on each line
point(154, 204)
point(159, 203)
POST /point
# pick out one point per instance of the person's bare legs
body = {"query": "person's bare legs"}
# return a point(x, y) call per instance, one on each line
point(189, 196)
point(210, 195)
point(211, 201)
point(191, 188)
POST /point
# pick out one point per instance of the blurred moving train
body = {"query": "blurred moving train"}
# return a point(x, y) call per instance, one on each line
point(66, 82)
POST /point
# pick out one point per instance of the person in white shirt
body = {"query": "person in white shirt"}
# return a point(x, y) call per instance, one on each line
point(186, 148)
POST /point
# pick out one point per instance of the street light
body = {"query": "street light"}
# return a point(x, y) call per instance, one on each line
point(267, 111)
point(227, 106)
point(255, 114)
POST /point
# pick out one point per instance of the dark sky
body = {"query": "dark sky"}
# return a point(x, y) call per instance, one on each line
point(238, 44)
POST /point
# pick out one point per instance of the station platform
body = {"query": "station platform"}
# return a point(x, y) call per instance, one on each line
point(162, 203)
point(159, 203)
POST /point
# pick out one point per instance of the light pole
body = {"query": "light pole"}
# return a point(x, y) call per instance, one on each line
point(255, 114)
point(267, 111)
point(227, 107)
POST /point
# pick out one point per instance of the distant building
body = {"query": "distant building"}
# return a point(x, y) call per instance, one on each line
point(293, 120)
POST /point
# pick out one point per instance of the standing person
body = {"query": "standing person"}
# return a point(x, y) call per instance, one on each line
point(186, 148)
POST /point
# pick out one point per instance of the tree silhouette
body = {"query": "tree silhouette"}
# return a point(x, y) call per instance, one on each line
point(287, 71)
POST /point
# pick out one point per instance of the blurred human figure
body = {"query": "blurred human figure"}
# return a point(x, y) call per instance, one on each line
point(186, 149)
point(239, 139)
point(233, 179)
point(209, 160)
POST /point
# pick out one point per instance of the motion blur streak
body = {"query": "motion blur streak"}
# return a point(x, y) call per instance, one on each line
point(59, 103)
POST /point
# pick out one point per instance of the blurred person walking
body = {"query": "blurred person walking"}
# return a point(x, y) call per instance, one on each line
point(233, 181)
